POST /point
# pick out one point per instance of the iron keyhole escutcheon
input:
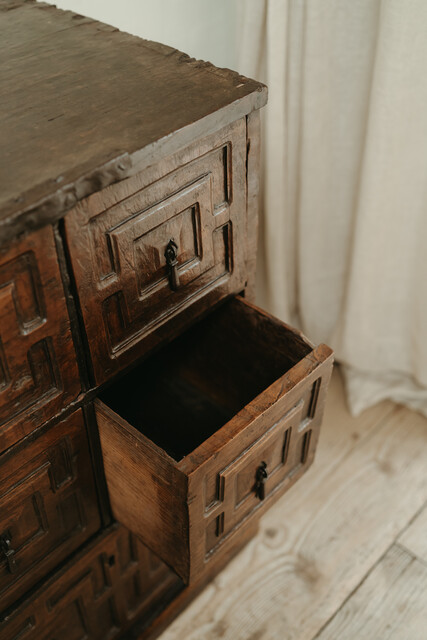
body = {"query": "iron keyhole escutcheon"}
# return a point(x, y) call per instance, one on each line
point(171, 252)
point(260, 477)
point(7, 552)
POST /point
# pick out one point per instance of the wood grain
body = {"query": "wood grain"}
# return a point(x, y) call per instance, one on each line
point(253, 153)
point(318, 543)
point(145, 148)
point(390, 604)
point(97, 595)
point(146, 490)
point(38, 370)
point(414, 538)
point(190, 510)
point(118, 237)
point(71, 129)
point(48, 504)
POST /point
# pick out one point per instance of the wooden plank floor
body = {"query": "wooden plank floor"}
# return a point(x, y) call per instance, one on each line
point(343, 555)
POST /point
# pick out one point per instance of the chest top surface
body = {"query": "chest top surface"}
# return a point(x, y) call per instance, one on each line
point(81, 102)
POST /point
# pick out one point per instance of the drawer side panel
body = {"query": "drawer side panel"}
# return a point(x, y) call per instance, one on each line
point(147, 493)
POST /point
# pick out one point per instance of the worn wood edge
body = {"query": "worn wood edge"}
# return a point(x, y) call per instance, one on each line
point(92, 177)
point(130, 432)
point(113, 427)
point(203, 559)
point(288, 549)
point(222, 551)
point(290, 381)
point(46, 208)
point(253, 157)
point(47, 202)
point(296, 332)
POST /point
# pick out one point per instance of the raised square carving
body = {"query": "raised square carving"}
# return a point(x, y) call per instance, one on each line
point(140, 263)
point(48, 504)
point(230, 495)
point(38, 370)
point(118, 239)
point(98, 596)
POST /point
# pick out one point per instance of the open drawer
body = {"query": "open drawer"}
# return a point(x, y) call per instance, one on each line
point(202, 437)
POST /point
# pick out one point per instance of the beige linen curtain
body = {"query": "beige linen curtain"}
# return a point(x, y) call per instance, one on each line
point(344, 203)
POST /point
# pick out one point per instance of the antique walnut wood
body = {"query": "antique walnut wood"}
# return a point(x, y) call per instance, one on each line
point(99, 594)
point(137, 381)
point(184, 435)
point(38, 370)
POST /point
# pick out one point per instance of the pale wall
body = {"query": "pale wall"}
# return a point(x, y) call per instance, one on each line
point(205, 29)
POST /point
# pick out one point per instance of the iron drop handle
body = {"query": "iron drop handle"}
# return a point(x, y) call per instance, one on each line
point(7, 552)
point(172, 264)
point(260, 477)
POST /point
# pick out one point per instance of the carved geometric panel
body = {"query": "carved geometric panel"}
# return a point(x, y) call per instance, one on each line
point(231, 496)
point(98, 596)
point(117, 241)
point(38, 370)
point(48, 504)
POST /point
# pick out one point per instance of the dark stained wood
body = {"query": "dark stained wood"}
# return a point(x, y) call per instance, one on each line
point(97, 595)
point(38, 370)
point(253, 151)
point(97, 465)
point(70, 129)
point(48, 505)
point(148, 630)
point(149, 161)
point(117, 240)
point(184, 434)
point(148, 489)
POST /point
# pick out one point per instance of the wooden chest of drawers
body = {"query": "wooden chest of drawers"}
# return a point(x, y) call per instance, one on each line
point(149, 412)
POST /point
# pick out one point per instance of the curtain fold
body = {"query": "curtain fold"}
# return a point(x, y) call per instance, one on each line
point(344, 185)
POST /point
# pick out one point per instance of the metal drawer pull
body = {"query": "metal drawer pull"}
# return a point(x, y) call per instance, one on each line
point(172, 263)
point(260, 477)
point(7, 551)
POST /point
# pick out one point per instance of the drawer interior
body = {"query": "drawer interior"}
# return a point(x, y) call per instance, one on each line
point(185, 392)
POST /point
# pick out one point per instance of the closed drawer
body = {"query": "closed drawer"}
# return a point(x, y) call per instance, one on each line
point(160, 246)
point(98, 595)
point(201, 438)
point(38, 370)
point(48, 505)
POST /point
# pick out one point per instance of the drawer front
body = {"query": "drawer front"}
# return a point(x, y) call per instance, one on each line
point(38, 371)
point(262, 471)
point(192, 206)
point(190, 468)
point(48, 505)
point(98, 596)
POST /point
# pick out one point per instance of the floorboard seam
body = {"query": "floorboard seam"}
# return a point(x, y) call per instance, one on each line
point(413, 555)
point(350, 595)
